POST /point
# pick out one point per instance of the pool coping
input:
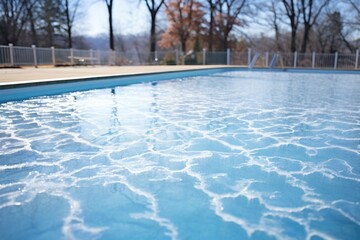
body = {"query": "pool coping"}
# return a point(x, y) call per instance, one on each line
point(50, 81)
point(93, 75)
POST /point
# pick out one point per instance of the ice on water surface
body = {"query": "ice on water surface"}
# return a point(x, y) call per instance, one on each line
point(236, 155)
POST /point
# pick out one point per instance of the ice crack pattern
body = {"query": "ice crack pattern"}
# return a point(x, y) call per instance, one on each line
point(236, 155)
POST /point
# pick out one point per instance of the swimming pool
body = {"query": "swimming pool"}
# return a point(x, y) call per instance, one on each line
point(232, 155)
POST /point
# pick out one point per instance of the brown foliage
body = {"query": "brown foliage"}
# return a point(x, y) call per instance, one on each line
point(185, 19)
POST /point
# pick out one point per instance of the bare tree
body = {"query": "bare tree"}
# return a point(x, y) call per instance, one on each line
point(228, 13)
point(310, 13)
point(153, 9)
point(13, 18)
point(355, 7)
point(274, 21)
point(292, 11)
point(33, 21)
point(52, 16)
point(212, 9)
point(331, 34)
point(109, 5)
point(70, 18)
point(32, 12)
point(352, 20)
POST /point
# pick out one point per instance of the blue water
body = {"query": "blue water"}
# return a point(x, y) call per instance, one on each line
point(237, 155)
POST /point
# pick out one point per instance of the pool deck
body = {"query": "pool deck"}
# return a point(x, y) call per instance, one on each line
point(10, 76)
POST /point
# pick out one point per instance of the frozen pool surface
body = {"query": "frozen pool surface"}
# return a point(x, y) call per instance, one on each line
point(237, 155)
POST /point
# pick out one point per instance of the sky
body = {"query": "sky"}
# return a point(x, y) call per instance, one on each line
point(130, 17)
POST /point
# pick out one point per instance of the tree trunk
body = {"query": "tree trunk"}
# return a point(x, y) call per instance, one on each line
point(225, 42)
point(50, 33)
point(211, 27)
point(293, 39)
point(69, 37)
point(183, 46)
point(277, 38)
point(68, 23)
point(305, 38)
point(153, 9)
point(111, 32)
point(33, 28)
point(153, 32)
point(293, 14)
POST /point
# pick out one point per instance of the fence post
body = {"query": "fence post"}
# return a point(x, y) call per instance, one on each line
point(98, 57)
point(72, 56)
point(156, 57)
point(295, 59)
point(267, 59)
point(313, 60)
point(336, 60)
point(249, 56)
point(204, 56)
point(109, 57)
point(228, 56)
point(177, 56)
point(113, 56)
point(34, 54)
point(91, 57)
point(357, 59)
point(53, 55)
point(11, 49)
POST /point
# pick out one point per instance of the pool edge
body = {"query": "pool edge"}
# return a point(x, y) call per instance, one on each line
point(40, 82)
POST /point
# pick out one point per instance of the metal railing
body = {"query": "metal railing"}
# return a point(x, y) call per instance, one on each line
point(33, 56)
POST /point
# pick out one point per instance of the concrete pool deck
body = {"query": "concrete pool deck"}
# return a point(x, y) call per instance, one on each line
point(9, 76)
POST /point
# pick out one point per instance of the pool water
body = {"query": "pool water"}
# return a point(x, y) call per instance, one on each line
point(235, 155)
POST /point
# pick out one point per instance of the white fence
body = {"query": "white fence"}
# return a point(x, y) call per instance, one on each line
point(304, 60)
point(33, 56)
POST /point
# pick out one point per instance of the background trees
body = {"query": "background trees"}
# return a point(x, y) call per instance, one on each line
point(279, 25)
point(185, 18)
point(331, 34)
point(292, 11)
point(208, 22)
point(227, 17)
point(51, 19)
point(310, 10)
point(39, 22)
point(32, 10)
point(13, 20)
